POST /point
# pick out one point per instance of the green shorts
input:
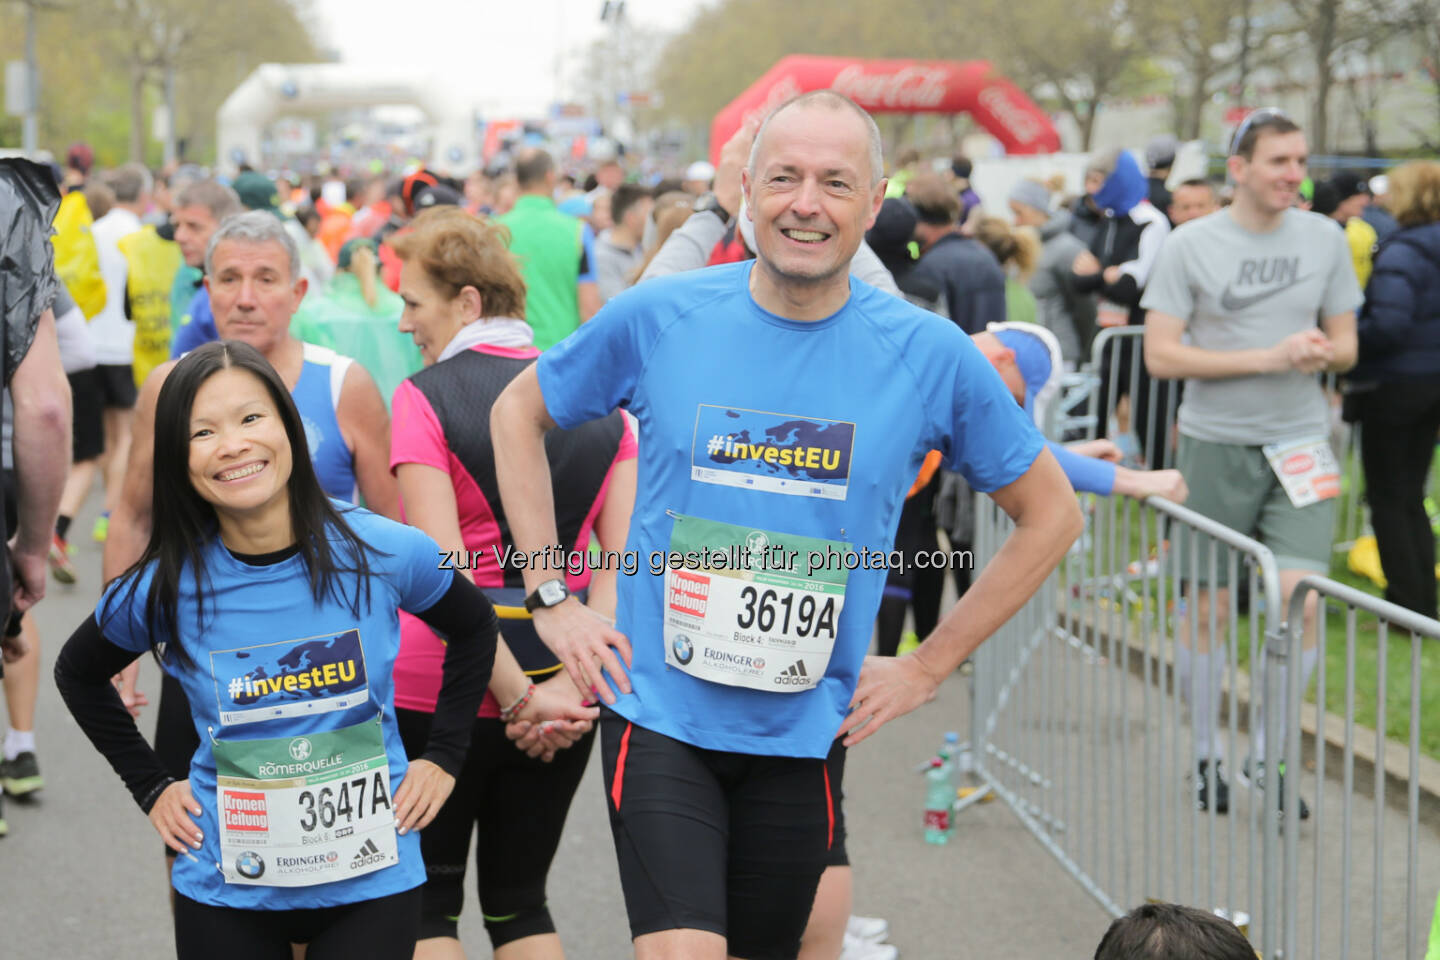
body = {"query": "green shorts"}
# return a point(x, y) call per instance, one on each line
point(1234, 485)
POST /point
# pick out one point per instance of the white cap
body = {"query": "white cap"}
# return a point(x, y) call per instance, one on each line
point(1379, 185)
point(700, 170)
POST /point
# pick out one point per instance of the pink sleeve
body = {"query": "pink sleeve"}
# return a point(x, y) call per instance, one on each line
point(415, 434)
point(629, 449)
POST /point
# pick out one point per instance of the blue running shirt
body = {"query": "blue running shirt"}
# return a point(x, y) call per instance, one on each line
point(271, 665)
point(317, 397)
point(754, 425)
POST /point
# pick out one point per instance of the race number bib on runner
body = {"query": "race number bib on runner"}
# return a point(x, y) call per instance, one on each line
point(1306, 468)
point(299, 811)
point(752, 608)
point(1111, 314)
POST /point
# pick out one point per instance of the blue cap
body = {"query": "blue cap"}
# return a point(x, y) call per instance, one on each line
point(1032, 358)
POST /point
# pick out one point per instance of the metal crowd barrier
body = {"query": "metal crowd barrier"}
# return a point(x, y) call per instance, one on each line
point(1351, 875)
point(1079, 724)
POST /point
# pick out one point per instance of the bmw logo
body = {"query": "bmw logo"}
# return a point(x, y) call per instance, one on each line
point(249, 865)
point(684, 649)
point(299, 749)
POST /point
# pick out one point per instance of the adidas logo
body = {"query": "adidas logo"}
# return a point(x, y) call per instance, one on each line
point(794, 676)
point(368, 854)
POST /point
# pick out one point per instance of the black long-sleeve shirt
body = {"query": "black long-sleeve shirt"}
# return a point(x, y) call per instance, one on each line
point(83, 670)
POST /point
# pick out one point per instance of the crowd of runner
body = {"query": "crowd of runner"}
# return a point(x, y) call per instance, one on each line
point(369, 447)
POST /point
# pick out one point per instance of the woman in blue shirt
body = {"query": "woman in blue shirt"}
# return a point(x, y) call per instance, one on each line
point(276, 608)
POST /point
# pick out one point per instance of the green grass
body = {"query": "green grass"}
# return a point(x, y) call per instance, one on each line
point(1367, 681)
point(1367, 670)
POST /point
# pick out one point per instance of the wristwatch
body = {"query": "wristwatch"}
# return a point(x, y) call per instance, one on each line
point(708, 201)
point(551, 593)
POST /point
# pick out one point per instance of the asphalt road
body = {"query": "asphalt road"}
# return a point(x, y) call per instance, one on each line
point(82, 875)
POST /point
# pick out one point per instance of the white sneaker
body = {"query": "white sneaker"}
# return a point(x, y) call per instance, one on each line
point(856, 949)
point(869, 929)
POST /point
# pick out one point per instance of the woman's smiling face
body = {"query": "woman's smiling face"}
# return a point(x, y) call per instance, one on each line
point(240, 456)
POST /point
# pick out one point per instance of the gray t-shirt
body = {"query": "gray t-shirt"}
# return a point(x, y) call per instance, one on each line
point(614, 266)
point(1238, 290)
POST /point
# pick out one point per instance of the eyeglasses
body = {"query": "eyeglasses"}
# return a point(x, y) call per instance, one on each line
point(1262, 115)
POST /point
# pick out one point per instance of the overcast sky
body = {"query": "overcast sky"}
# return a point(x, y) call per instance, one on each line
point(503, 53)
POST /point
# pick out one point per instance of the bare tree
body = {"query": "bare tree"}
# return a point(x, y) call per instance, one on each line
point(1328, 26)
point(1419, 22)
point(1084, 51)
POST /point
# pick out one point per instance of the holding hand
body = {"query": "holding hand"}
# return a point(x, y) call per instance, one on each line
point(124, 681)
point(583, 643)
point(555, 718)
point(1308, 351)
point(173, 817)
point(1085, 264)
point(29, 570)
point(1169, 484)
point(1100, 449)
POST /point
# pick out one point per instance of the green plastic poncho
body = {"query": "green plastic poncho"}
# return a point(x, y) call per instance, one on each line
point(344, 322)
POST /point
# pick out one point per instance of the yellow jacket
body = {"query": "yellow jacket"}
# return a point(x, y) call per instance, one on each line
point(152, 263)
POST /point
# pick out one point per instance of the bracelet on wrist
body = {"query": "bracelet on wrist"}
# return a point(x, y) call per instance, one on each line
point(510, 712)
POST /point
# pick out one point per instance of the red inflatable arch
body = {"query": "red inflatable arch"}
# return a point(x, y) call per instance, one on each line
point(899, 86)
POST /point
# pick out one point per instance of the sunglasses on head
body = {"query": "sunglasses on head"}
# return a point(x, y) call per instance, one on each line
point(1262, 115)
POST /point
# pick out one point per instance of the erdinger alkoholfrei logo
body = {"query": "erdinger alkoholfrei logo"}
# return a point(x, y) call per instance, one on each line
point(250, 865)
point(684, 649)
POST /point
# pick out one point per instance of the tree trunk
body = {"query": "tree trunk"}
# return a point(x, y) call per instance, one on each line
point(137, 113)
point(1087, 124)
point(1323, 37)
point(1243, 67)
point(1200, 71)
point(1320, 124)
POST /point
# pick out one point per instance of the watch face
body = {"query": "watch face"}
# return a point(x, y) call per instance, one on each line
point(552, 592)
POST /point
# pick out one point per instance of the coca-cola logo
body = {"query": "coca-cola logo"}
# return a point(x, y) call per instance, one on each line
point(916, 87)
point(1010, 115)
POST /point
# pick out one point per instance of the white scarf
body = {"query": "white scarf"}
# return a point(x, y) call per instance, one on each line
point(493, 331)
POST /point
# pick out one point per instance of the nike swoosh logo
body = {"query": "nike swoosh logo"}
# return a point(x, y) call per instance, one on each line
point(1229, 301)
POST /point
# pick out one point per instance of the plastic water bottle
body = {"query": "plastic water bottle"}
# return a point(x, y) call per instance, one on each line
point(949, 748)
point(939, 795)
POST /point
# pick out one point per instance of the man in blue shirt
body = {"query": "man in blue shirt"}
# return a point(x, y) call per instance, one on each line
point(785, 410)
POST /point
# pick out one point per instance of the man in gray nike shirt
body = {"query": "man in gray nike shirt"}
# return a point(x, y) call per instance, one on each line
point(1247, 284)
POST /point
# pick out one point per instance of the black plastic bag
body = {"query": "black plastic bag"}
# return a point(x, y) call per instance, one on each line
point(28, 202)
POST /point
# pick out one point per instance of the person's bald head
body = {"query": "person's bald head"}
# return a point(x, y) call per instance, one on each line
point(828, 100)
point(535, 171)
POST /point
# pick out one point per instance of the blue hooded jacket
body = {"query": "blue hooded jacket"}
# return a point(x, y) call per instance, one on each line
point(1399, 325)
point(1125, 187)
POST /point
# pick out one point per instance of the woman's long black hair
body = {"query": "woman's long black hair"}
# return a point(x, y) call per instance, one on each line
point(183, 524)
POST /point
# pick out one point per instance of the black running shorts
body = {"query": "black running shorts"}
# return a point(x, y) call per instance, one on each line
point(710, 840)
point(117, 386)
point(517, 805)
point(87, 400)
point(379, 929)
